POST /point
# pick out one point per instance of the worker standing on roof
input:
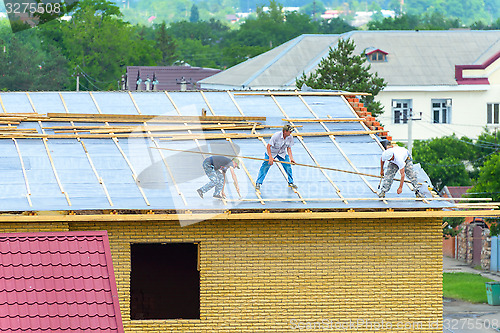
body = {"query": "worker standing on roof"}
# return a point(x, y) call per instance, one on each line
point(399, 159)
point(215, 167)
point(280, 148)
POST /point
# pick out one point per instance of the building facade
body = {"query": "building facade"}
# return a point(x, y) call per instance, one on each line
point(448, 80)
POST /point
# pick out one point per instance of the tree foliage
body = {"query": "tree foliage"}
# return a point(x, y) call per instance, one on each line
point(166, 44)
point(343, 70)
point(488, 182)
point(426, 21)
point(451, 230)
point(444, 159)
point(455, 161)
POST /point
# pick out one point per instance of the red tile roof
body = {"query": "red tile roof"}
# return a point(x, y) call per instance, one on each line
point(58, 282)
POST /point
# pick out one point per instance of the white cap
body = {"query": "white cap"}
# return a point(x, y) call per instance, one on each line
point(387, 155)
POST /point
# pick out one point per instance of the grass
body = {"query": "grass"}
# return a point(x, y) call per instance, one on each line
point(465, 286)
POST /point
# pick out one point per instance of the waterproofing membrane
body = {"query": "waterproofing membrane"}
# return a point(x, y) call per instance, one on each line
point(132, 174)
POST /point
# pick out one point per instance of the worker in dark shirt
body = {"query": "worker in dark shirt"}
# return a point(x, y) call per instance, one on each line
point(215, 167)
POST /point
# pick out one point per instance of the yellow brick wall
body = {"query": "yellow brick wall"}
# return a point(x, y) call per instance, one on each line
point(298, 276)
point(33, 227)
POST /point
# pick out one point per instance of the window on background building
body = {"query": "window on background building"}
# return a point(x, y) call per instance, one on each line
point(164, 281)
point(377, 56)
point(493, 116)
point(441, 111)
point(401, 110)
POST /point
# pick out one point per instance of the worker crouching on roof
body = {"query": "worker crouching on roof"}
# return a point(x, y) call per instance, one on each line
point(399, 159)
point(215, 167)
point(280, 148)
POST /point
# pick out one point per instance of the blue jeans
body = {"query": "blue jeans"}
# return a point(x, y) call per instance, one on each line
point(264, 168)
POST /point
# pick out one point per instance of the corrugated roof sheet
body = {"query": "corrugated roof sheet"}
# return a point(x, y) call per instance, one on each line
point(168, 77)
point(415, 58)
point(57, 282)
point(130, 173)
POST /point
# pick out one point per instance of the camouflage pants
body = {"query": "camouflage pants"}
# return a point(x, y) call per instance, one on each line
point(391, 171)
point(216, 179)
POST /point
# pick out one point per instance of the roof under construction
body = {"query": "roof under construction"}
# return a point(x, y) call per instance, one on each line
point(144, 150)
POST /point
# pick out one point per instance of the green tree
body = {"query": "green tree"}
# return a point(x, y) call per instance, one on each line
point(445, 159)
point(313, 9)
point(451, 230)
point(334, 26)
point(166, 45)
point(342, 70)
point(100, 43)
point(27, 64)
point(488, 182)
point(195, 15)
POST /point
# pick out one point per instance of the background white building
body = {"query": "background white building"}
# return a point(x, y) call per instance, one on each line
point(450, 80)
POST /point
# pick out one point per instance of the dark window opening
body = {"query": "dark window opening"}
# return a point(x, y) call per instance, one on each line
point(441, 111)
point(401, 111)
point(493, 114)
point(376, 56)
point(164, 281)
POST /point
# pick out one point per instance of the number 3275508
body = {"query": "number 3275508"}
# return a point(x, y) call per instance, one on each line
point(32, 8)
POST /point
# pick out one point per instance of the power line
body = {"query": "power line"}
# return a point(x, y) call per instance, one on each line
point(488, 145)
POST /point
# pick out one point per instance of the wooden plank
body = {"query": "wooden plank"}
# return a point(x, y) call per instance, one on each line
point(234, 216)
point(177, 188)
point(324, 120)
point(259, 136)
point(277, 161)
point(368, 199)
point(45, 140)
point(89, 159)
point(234, 148)
point(2, 105)
point(169, 128)
point(117, 144)
point(23, 168)
point(209, 136)
point(303, 93)
point(142, 118)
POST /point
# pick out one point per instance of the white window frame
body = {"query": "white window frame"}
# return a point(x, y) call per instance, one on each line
point(441, 114)
point(401, 109)
point(493, 113)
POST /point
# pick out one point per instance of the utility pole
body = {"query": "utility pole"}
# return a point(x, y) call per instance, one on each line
point(77, 81)
point(410, 130)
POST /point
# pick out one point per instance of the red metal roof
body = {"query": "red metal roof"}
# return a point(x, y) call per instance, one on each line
point(456, 191)
point(169, 77)
point(58, 282)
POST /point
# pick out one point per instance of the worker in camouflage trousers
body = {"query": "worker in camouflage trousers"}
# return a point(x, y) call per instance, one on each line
point(399, 159)
point(215, 167)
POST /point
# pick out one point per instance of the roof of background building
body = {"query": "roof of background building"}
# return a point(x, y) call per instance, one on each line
point(58, 282)
point(115, 168)
point(415, 58)
point(169, 77)
point(455, 191)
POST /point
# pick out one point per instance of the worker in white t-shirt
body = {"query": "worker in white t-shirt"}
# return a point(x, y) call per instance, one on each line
point(399, 159)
